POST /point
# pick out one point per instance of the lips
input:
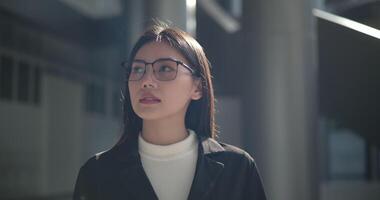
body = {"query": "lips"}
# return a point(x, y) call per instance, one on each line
point(148, 98)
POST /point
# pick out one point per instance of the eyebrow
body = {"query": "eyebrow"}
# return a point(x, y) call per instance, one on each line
point(167, 58)
point(163, 58)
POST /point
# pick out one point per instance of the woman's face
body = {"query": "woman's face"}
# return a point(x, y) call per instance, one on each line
point(153, 99)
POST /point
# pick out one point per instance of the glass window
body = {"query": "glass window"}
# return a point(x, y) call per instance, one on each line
point(116, 104)
point(95, 99)
point(37, 85)
point(378, 163)
point(347, 155)
point(6, 77)
point(23, 82)
point(6, 34)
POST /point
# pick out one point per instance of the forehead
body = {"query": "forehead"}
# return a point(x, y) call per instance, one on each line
point(155, 50)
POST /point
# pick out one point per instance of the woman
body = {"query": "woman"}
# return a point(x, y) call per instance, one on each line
point(168, 150)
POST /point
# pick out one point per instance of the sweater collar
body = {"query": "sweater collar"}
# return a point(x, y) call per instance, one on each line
point(128, 150)
point(136, 183)
point(168, 151)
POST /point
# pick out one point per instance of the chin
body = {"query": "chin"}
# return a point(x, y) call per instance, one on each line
point(149, 116)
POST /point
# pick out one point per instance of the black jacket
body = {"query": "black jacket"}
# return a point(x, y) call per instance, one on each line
point(222, 172)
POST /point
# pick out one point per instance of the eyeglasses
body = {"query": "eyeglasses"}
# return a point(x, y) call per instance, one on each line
point(164, 69)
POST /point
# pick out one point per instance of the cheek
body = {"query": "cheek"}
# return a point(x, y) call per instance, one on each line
point(180, 94)
point(132, 91)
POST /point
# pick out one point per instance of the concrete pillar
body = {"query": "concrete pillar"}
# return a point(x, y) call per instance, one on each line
point(135, 21)
point(281, 96)
point(168, 11)
point(140, 13)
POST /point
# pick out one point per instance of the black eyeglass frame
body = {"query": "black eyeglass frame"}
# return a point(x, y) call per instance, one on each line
point(128, 65)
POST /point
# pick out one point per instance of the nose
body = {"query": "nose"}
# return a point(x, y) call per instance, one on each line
point(148, 79)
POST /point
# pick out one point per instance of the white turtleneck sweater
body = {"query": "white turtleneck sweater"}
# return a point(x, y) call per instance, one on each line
point(170, 168)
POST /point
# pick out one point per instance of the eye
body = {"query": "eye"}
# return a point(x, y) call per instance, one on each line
point(166, 68)
point(137, 69)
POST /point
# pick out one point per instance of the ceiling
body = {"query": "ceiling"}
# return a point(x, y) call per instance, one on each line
point(90, 23)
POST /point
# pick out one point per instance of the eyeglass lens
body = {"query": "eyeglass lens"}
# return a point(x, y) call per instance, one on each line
point(163, 70)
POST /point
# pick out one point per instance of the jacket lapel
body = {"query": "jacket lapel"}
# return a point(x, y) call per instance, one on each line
point(132, 176)
point(207, 169)
point(136, 183)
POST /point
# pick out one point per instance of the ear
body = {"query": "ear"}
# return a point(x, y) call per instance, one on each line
point(197, 93)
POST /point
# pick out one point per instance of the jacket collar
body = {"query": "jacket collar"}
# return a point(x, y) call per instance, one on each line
point(207, 169)
point(137, 184)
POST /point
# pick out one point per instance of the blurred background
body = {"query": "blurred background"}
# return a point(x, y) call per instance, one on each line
point(297, 84)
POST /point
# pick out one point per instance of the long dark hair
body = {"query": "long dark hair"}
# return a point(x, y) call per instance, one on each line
point(200, 115)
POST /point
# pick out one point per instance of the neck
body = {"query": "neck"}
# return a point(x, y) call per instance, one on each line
point(163, 132)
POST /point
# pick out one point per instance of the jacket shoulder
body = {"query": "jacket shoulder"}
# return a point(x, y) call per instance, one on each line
point(248, 178)
point(234, 151)
point(92, 164)
point(103, 156)
point(85, 186)
point(229, 155)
